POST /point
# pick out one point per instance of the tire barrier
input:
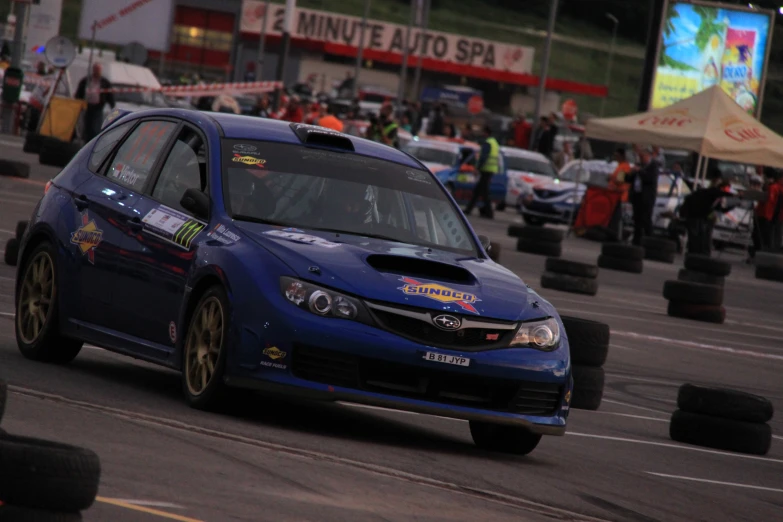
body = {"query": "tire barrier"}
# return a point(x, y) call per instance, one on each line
point(570, 276)
point(43, 481)
point(514, 229)
point(621, 257)
point(14, 169)
point(56, 153)
point(659, 249)
point(21, 227)
point(589, 345)
point(34, 142)
point(698, 292)
point(494, 251)
point(540, 240)
point(769, 266)
point(723, 419)
point(11, 253)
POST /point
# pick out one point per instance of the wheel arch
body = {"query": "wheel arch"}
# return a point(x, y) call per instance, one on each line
point(213, 276)
point(38, 236)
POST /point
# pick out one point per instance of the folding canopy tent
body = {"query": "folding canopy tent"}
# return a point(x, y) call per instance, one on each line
point(709, 123)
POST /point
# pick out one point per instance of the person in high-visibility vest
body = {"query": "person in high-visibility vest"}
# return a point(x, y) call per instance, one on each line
point(488, 165)
point(388, 127)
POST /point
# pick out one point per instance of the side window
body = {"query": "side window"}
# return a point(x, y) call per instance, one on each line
point(134, 160)
point(106, 143)
point(185, 168)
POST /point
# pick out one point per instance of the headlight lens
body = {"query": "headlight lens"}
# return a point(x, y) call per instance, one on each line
point(542, 335)
point(320, 301)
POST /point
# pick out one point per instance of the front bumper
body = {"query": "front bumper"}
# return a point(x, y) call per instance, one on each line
point(555, 212)
point(336, 360)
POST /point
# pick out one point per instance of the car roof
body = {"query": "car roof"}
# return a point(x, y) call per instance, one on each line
point(522, 153)
point(239, 127)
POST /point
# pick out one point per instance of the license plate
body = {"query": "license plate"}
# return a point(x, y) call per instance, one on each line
point(446, 359)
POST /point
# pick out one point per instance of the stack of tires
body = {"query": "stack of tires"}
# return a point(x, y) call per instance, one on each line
point(722, 419)
point(44, 481)
point(11, 253)
point(769, 266)
point(698, 292)
point(570, 276)
point(538, 240)
point(659, 249)
point(622, 257)
point(589, 344)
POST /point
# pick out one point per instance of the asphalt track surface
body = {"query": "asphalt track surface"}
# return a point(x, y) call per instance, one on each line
point(275, 459)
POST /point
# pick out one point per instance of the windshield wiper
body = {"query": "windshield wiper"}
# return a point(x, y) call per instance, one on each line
point(362, 234)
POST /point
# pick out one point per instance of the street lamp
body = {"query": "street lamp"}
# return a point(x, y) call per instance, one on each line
point(615, 21)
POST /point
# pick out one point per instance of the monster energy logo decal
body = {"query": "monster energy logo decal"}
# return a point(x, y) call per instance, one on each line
point(185, 235)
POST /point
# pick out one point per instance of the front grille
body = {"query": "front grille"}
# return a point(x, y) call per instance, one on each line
point(441, 386)
point(424, 332)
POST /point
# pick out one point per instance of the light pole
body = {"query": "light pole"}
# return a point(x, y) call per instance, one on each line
point(285, 46)
point(544, 68)
point(360, 51)
point(262, 44)
point(615, 21)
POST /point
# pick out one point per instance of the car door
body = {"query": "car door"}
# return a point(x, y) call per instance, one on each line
point(94, 239)
point(124, 177)
point(161, 254)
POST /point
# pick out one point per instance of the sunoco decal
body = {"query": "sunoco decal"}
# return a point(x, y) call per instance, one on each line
point(249, 160)
point(274, 353)
point(439, 293)
point(87, 237)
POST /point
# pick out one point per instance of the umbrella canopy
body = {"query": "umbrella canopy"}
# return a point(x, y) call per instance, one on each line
point(710, 123)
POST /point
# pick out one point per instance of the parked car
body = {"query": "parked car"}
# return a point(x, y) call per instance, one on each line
point(525, 169)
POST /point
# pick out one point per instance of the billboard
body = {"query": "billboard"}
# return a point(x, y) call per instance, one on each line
point(121, 22)
point(703, 44)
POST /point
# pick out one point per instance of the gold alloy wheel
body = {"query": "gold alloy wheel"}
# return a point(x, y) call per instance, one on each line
point(35, 298)
point(202, 349)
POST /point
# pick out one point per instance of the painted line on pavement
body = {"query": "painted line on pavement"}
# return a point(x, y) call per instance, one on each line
point(717, 482)
point(610, 401)
point(143, 509)
point(621, 376)
point(8, 232)
point(702, 346)
point(7, 143)
point(742, 344)
point(675, 446)
point(777, 437)
point(631, 416)
point(149, 503)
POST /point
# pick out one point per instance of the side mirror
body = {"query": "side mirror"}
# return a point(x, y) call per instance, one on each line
point(197, 202)
point(467, 168)
point(485, 242)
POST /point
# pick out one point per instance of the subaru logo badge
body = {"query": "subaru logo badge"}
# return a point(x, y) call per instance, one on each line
point(447, 322)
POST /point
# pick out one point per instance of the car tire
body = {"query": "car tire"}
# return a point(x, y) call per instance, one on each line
point(622, 251)
point(572, 268)
point(588, 341)
point(11, 253)
point(21, 227)
point(568, 283)
point(542, 234)
point(769, 273)
point(494, 251)
point(503, 439)
point(769, 259)
point(533, 221)
point(500, 206)
point(3, 398)
point(700, 277)
point(693, 293)
point(707, 265)
point(14, 169)
point(718, 433)
point(661, 256)
point(22, 514)
point(596, 234)
point(514, 229)
point(543, 248)
point(48, 345)
point(634, 266)
point(213, 395)
point(696, 312)
point(588, 387)
point(724, 403)
point(57, 153)
point(659, 244)
point(48, 475)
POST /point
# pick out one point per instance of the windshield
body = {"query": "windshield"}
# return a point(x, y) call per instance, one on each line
point(589, 171)
point(294, 186)
point(432, 155)
point(530, 165)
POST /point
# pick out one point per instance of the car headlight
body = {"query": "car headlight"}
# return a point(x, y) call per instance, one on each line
point(572, 200)
point(322, 301)
point(542, 335)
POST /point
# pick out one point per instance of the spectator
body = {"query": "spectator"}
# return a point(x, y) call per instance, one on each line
point(293, 112)
point(405, 123)
point(564, 156)
point(261, 108)
point(329, 120)
point(546, 137)
point(314, 113)
point(522, 132)
point(699, 209)
point(488, 166)
point(449, 130)
point(388, 126)
point(93, 89)
point(644, 191)
point(437, 124)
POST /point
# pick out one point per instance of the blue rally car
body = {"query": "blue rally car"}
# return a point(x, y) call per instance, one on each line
point(257, 254)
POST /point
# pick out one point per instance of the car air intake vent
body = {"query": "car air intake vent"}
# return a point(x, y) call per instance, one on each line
point(329, 140)
point(414, 267)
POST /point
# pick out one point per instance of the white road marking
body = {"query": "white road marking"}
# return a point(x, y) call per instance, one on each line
point(7, 314)
point(7, 232)
point(631, 416)
point(610, 401)
point(620, 376)
point(754, 325)
point(619, 347)
point(702, 346)
point(30, 204)
point(777, 437)
point(6, 143)
point(150, 503)
point(605, 305)
point(675, 446)
point(7, 278)
point(742, 344)
point(706, 481)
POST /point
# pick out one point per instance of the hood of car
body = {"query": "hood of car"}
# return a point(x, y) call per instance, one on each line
point(399, 273)
point(529, 177)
